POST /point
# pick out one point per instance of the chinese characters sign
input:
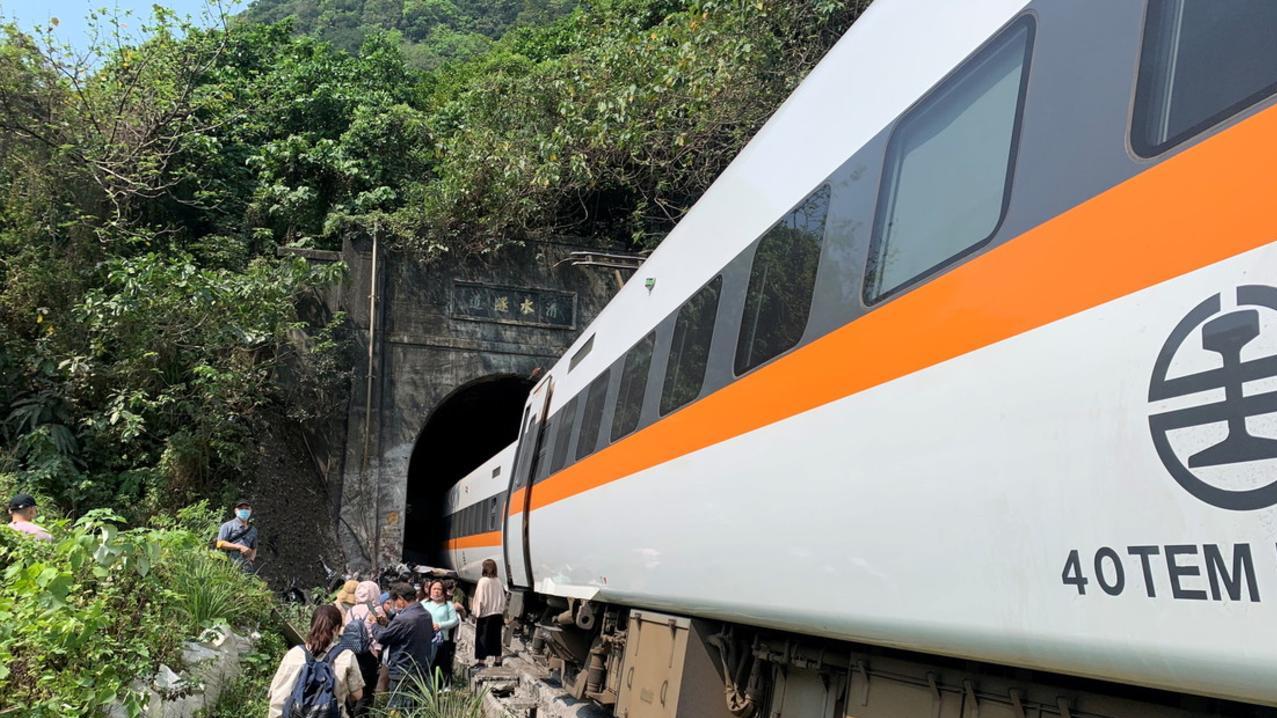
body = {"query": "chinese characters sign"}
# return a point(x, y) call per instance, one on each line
point(513, 305)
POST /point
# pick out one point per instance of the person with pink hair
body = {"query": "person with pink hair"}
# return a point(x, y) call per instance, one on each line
point(357, 634)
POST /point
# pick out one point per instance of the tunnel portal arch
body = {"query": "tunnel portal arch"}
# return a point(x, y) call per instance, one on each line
point(468, 427)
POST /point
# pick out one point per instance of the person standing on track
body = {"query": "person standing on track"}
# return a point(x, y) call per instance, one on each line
point(488, 607)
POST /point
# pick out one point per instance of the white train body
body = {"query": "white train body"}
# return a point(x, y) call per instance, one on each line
point(475, 509)
point(971, 464)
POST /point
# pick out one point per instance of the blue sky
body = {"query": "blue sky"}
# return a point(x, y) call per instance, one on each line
point(72, 15)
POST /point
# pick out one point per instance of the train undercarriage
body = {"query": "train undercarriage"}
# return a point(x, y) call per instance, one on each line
point(646, 664)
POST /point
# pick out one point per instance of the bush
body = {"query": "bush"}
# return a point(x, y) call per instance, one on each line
point(431, 701)
point(82, 617)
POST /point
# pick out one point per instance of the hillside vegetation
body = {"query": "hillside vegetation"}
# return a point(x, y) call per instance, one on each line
point(431, 32)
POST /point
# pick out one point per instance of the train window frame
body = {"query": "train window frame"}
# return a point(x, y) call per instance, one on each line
point(749, 365)
point(1150, 73)
point(599, 383)
point(674, 364)
point(871, 293)
point(621, 396)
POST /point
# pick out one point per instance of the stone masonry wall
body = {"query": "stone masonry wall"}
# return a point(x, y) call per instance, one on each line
point(423, 350)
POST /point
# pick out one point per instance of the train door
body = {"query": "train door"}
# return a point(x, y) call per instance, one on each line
point(514, 542)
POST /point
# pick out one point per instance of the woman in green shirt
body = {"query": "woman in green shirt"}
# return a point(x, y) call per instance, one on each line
point(446, 620)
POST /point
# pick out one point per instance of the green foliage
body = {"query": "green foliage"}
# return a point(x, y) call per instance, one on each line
point(611, 122)
point(146, 325)
point(81, 618)
point(430, 700)
point(432, 32)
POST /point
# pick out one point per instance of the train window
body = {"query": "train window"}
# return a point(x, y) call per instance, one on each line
point(492, 514)
point(689, 350)
point(629, 398)
point(563, 437)
point(947, 177)
point(781, 279)
point(592, 417)
point(1202, 61)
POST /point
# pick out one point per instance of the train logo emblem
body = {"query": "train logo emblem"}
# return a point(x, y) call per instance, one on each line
point(1232, 471)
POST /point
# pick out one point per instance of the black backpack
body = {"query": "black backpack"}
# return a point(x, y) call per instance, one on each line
point(315, 692)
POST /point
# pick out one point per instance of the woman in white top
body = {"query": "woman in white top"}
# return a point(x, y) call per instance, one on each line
point(488, 607)
point(325, 633)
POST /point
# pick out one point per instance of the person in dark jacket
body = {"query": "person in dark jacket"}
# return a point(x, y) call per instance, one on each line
point(407, 643)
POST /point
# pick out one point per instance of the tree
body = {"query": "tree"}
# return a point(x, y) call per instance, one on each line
point(611, 122)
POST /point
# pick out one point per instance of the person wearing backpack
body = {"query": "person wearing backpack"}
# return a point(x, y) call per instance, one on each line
point(357, 635)
point(318, 678)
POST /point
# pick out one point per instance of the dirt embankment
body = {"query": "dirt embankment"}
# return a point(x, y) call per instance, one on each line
point(295, 509)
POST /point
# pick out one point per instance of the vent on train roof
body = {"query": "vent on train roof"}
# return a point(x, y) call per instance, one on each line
point(581, 353)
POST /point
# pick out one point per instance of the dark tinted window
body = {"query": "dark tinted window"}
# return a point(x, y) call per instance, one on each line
point(542, 468)
point(689, 350)
point(1203, 60)
point(948, 171)
point(563, 437)
point(592, 417)
point(781, 280)
point(629, 398)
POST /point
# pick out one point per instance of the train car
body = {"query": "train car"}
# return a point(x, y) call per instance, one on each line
point(953, 393)
point(473, 511)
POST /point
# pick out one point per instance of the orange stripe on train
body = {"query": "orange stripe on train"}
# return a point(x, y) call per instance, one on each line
point(490, 539)
point(1208, 203)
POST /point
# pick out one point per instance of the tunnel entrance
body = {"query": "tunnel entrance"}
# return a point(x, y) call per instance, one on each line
point(464, 430)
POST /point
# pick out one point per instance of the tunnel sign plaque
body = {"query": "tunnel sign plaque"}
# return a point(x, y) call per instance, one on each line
point(474, 301)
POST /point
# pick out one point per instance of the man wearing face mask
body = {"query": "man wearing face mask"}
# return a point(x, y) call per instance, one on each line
point(407, 644)
point(239, 537)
